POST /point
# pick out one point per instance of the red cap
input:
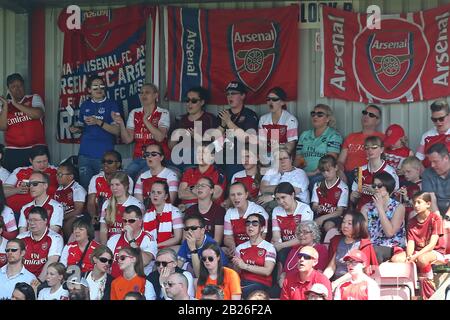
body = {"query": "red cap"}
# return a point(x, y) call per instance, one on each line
point(356, 255)
point(393, 133)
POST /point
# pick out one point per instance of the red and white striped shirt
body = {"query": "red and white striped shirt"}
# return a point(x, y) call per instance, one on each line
point(161, 225)
point(70, 194)
point(145, 182)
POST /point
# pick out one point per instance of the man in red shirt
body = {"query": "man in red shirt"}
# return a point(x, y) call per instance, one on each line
point(296, 285)
point(22, 119)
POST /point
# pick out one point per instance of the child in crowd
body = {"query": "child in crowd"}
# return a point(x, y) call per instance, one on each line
point(395, 143)
point(412, 169)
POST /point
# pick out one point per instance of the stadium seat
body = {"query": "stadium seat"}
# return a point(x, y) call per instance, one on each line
point(397, 281)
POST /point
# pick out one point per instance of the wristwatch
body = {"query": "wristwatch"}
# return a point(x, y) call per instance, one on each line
point(193, 251)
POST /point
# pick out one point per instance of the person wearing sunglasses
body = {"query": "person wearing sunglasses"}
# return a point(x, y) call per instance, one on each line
point(176, 287)
point(154, 157)
point(386, 220)
point(10, 230)
point(352, 152)
point(296, 285)
point(163, 219)
point(39, 183)
point(213, 272)
point(440, 111)
point(14, 271)
point(362, 190)
point(99, 279)
point(255, 259)
point(97, 128)
point(321, 140)
point(279, 125)
point(133, 276)
point(133, 235)
point(113, 208)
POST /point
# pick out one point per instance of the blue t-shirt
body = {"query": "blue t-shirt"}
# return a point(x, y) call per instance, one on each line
point(95, 141)
point(184, 253)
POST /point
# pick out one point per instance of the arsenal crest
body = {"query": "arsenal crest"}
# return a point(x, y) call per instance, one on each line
point(44, 246)
point(93, 20)
point(260, 253)
point(254, 50)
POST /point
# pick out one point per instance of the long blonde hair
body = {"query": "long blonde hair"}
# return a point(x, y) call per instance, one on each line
point(111, 210)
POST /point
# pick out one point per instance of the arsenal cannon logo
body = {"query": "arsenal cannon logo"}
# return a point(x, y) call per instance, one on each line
point(254, 50)
point(96, 27)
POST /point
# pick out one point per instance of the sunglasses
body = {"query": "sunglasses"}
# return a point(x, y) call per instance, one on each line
point(60, 175)
point(370, 114)
point(108, 161)
point(11, 250)
point(151, 154)
point(129, 220)
point(210, 259)
point(193, 228)
point(440, 119)
point(105, 260)
point(162, 263)
point(232, 93)
point(319, 114)
point(371, 147)
point(193, 100)
point(98, 86)
point(254, 223)
point(123, 257)
point(305, 256)
point(274, 99)
point(35, 183)
point(377, 185)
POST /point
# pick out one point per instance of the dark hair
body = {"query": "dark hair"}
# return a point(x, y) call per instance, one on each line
point(238, 183)
point(139, 265)
point(92, 78)
point(40, 211)
point(81, 222)
point(2, 197)
point(326, 160)
point(439, 148)
point(284, 187)
point(212, 289)
point(374, 140)
point(39, 151)
point(359, 224)
point(136, 295)
point(44, 176)
point(280, 93)
point(376, 107)
point(164, 184)
point(440, 105)
point(2, 222)
point(261, 219)
point(101, 249)
point(387, 180)
point(203, 94)
point(26, 290)
point(20, 242)
point(160, 148)
point(69, 167)
point(135, 209)
point(203, 277)
point(115, 154)
point(13, 77)
point(2, 152)
point(195, 216)
point(425, 196)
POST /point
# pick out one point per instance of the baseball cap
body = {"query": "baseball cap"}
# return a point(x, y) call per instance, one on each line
point(318, 289)
point(356, 255)
point(77, 280)
point(393, 133)
point(236, 86)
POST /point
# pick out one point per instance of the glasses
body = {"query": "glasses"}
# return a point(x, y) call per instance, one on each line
point(319, 114)
point(377, 185)
point(305, 232)
point(162, 263)
point(11, 250)
point(35, 183)
point(34, 220)
point(105, 260)
point(60, 175)
point(210, 259)
point(98, 86)
point(254, 223)
point(375, 146)
point(232, 93)
point(193, 100)
point(305, 256)
point(108, 161)
point(370, 114)
point(440, 119)
point(132, 220)
point(193, 228)
point(151, 154)
point(274, 99)
point(202, 185)
point(123, 257)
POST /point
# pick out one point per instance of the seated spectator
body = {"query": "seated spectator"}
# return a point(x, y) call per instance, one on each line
point(251, 175)
point(134, 236)
point(360, 286)
point(99, 186)
point(193, 245)
point(412, 170)
point(212, 292)
point(258, 295)
point(78, 289)
point(235, 231)
point(396, 147)
point(386, 220)
point(213, 214)
point(56, 272)
point(71, 195)
point(212, 272)
point(16, 187)
point(176, 287)
point(362, 190)
point(163, 220)
point(330, 196)
point(10, 230)
point(318, 291)
point(99, 279)
point(354, 236)
point(80, 250)
point(113, 208)
point(255, 259)
point(3, 242)
point(146, 125)
point(154, 156)
point(166, 264)
point(134, 296)
point(133, 277)
point(23, 291)
point(297, 284)
point(4, 174)
point(426, 243)
point(39, 183)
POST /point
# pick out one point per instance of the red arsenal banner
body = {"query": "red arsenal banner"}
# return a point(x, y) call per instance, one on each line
point(210, 48)
point(406, 60)
point(109, 43)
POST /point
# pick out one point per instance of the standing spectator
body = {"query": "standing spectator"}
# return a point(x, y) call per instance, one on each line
point(255, 259)
point(412, 170)
point(22, 119)
point(4, 174)
point(436, 179)
point(146, 125)
point(10, 230)
point(99, 279)
point(157, 172)
point(133, 278)
point(296, 285)
point(176, 287)
point(70, 195)
point(251, 175)
point(352, 154)
point(360, 286)
point(42, 245)
point(439, 134)
point(396, 149)
point(56, 272)
point(213, 272)
point(97, 127)
point(14, 271)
